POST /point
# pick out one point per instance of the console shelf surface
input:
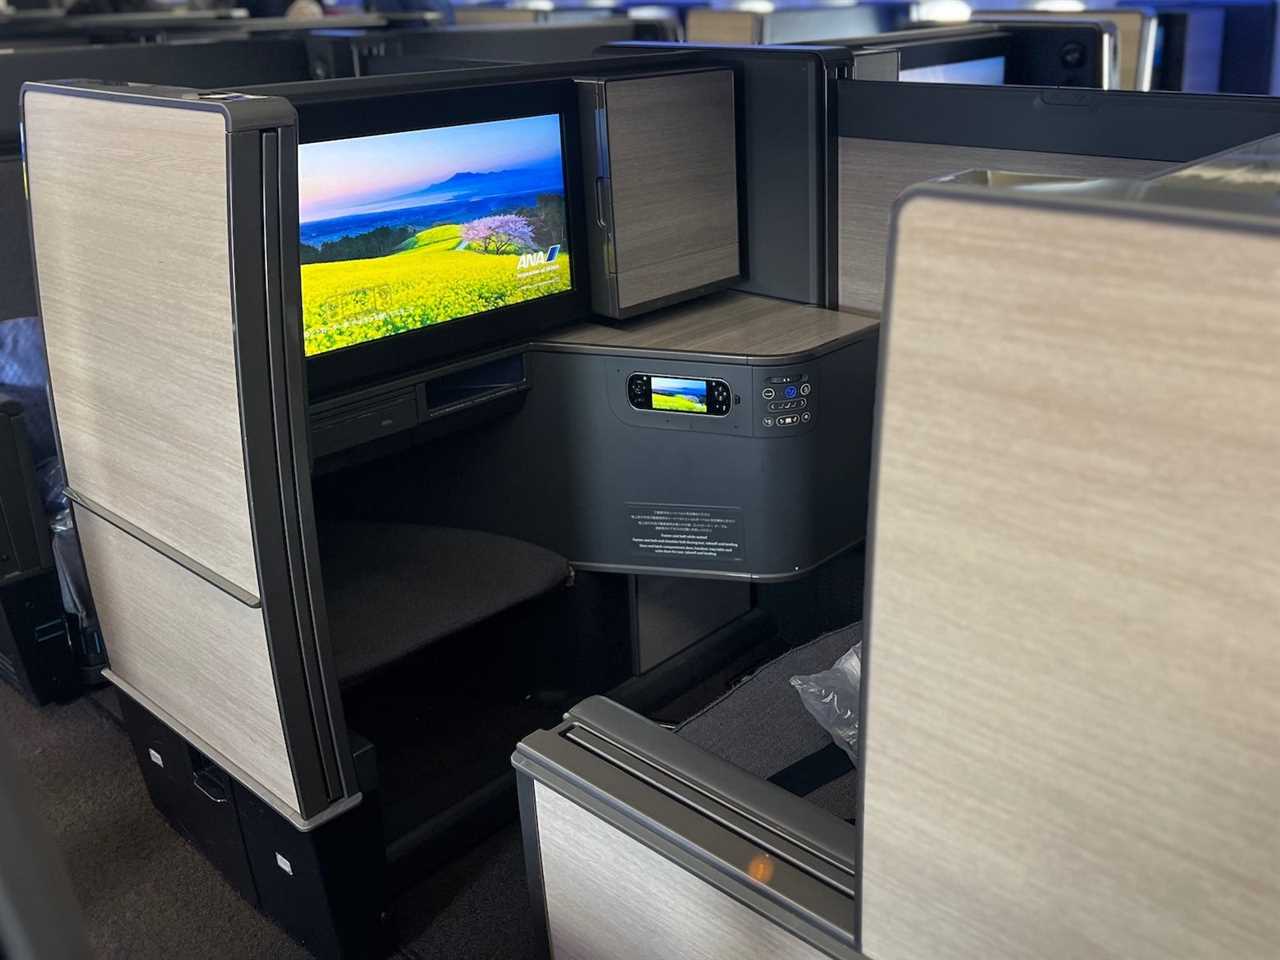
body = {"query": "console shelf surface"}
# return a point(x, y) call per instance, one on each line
point(727, 325)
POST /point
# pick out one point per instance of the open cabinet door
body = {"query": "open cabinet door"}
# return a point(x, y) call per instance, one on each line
point(640, 844)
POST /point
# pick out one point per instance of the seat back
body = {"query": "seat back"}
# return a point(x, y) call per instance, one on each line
point(1070, 729)
point(152, 221)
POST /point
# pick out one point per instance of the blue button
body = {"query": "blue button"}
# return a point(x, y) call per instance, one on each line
point(791, 391)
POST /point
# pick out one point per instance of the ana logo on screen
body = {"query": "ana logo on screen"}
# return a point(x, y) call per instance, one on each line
point(530, 261)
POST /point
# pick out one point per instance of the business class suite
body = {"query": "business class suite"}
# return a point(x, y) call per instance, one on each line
point(500, 442)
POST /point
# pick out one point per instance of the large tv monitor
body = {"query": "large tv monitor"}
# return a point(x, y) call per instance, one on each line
point(399, 232)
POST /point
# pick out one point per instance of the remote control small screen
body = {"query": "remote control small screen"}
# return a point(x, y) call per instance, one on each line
point(679, 395)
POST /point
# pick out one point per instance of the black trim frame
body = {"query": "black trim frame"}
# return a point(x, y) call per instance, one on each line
point(289, 383)
point(310, 751)
point(321, 92)
point(533, 865)
point(1032, 51)
point(1173, 127)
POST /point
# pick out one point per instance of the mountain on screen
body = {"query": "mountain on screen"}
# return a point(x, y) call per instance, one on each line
point(541, 177)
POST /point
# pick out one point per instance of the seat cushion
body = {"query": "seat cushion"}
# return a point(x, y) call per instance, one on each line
point(762, 726)
point(393, 588)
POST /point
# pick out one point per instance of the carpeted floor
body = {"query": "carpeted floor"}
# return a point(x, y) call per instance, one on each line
point(147, 894)
point(144, 891)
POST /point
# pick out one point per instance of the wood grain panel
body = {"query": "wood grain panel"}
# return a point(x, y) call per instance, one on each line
point(733, 324)
point(194, 651)
point(652, 281)
point(471, 16)
point(1074, 679)
point(129, 211)
point(704, 25)
point(673, 169)
point(609, 896)
point(874, 172)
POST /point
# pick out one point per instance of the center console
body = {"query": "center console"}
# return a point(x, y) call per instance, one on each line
point(726, 437)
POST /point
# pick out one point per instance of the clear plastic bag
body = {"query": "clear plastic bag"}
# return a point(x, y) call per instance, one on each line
point(831, 696)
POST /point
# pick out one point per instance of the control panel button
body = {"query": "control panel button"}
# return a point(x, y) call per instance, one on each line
point(791, 391)
point(806, 389)
point(768, 393)
point(802, 403)
point(721, 398)
point(790, 379)
point(806, 417)
point(767, 421)
point(788, 420)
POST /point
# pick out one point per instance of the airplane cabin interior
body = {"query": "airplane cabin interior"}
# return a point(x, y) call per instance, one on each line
point(609, 482)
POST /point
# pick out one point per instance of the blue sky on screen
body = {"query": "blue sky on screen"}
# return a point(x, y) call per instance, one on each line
point(338, 178)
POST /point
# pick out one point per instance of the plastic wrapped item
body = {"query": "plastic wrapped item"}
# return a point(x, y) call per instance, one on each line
point(51, 481)
point(831, 696)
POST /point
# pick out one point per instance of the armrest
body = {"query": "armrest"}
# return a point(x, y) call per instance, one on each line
point(781, 811)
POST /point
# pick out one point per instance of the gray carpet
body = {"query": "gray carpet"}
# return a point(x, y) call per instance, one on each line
point(146, 893)
point(761, 725)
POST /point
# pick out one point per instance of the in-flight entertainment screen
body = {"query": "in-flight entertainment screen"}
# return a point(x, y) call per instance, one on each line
point(404, 230)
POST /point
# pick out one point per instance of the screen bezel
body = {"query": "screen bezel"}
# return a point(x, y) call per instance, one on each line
point(361, 364)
